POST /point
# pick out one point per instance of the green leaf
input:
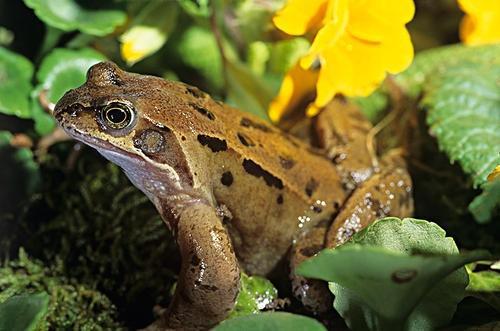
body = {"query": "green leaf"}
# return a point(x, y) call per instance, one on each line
point(484, 205)
point(484, 285)
point(255, 294)
point(15, 83)
point(60, 71)
point(285, 53)
point(397, 273)
point(20, 176)
point(196, 41)
point(428, 63)
point(69, 15)
point(270, 322)
point(246, 90)
point(23, 312)
point(252, 19)
point(149, 30)
point(196, 8)
point(463, 105)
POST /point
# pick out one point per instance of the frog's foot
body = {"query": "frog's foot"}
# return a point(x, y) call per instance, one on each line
point(210, 276)
point(386, 193)
point(313, 293)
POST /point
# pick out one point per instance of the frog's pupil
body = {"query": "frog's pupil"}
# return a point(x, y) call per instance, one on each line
point(116, 115)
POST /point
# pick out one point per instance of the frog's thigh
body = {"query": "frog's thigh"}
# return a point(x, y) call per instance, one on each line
point(387, 193)
point(313, 293)
point(210, 277)
point(341, 130)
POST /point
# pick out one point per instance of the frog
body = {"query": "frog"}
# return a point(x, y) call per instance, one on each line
point(238, 193)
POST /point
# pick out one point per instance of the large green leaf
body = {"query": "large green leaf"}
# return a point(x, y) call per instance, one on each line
point(270, 322)
point(484, 285)
point(15, 83)
point(484, 205)
point(436, 60)
point(395, 274)
point(60, 71)
point(256, 293)
point(23, 312)
point(463, 105)
point(69, 15)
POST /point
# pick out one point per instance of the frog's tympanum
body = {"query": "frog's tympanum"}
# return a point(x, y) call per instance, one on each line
point(238, 193)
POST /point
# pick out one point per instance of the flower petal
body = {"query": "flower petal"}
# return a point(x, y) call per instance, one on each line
point(330, 33)
point(299, 16)
point(297, 85)
point(479, 6)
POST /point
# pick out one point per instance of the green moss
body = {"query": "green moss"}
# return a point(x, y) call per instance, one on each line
point(107, 233)
point(71, 306)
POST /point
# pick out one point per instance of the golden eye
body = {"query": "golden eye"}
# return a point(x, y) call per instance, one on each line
point(117, 115)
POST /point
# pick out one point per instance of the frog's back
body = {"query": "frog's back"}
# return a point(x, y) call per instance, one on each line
point(269, 184)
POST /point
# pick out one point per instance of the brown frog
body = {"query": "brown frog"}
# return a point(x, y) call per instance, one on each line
point(238, 193)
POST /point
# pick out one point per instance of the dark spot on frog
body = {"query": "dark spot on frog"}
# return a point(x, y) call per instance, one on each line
point(215, 144)
point(317, 209)
point(245, 140)
point(194, 91)
point(183, 138)
point(336, 205)
point(227, 178)
point(403, 275)
point(205, 112)
point(310, 250)
point(279, 200)
point(311, 187)
point(248, 123)
point(338, 158)
point(256, 170)
point(195, 260)
point(73, 111)
point(286, 163)
point(150, 141)
point(114, 79)
point(212, 288)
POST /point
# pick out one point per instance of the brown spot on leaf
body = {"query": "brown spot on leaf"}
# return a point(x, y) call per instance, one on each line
point(403, 275)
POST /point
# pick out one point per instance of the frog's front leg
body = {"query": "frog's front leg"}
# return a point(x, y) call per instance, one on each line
point(209, 279)
point(313, 293)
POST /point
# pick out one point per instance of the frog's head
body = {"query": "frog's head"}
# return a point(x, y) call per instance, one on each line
point(127, 117)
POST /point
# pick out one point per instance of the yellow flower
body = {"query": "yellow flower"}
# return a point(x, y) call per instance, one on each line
point(494, 174)
point(481, 24)
point(355, 44)
point(139, 42)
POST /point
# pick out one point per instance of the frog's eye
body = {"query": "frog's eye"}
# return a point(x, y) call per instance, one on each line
point(117, 115)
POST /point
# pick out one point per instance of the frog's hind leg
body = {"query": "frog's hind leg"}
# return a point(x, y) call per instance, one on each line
point(341, 131)
point(209, 279)
point(386, 193)
point(313, 293)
